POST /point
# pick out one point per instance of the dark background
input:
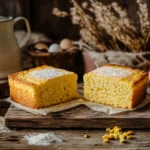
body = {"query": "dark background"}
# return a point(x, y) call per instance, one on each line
point(39, 13)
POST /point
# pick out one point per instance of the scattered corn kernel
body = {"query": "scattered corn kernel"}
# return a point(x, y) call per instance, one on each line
point(129, 137)
point(111, 136)
point(117, 133)
point(122, 140)
point(105, 136)
point(116, 130)
point(120, 129)
point(116, 127)
point(121, 136)
point(111, 131)
point(125, 134)
point(130, 132)
point(116, 136)
point(105, 140)
point(107, 129)
point(86, 136)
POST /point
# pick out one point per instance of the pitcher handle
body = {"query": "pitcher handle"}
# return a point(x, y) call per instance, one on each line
point(27, 26)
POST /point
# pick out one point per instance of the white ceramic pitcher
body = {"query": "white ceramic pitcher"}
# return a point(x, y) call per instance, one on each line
point(10, 58)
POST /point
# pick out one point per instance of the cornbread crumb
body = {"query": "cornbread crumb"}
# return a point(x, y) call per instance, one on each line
point(115, 85)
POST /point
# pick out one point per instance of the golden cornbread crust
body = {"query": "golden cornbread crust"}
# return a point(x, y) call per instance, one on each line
point(41, 93)
point(125, 90)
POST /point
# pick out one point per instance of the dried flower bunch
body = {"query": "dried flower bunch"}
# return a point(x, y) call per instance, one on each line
point(107, 27)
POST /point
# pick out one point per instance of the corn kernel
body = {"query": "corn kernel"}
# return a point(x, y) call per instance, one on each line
point(116, 136)
point(105, 140)
point(121, 136)
point(116, 130)
point(111, 131)
point(129, 137)
point(125, 134)
point(86, 136)
point(120, 129)
point(130, 132)
point(111, 136)
point(105, 136)
point(122, 140)
point(116, 127)
point(107, 129)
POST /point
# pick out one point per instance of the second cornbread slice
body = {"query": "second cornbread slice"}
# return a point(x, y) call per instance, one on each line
point(116, 85)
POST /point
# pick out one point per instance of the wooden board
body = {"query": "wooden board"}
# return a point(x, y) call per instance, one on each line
point(78, 117)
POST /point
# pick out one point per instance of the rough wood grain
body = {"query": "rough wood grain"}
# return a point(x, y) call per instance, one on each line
point(78, 117)
point(73, 140)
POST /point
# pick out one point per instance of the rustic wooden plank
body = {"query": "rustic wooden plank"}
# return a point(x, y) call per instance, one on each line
point(78, 117)
point(73, 140)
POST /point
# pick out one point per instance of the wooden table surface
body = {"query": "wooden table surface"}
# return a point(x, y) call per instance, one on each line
point(73, 139)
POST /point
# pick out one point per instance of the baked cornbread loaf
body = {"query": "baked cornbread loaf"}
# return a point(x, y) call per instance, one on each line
point(43, 86)
point(116, 85)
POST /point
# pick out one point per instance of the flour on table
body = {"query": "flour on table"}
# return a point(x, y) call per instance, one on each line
point(43, 139)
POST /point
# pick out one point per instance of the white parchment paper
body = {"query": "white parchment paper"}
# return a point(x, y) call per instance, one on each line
point(70, 104)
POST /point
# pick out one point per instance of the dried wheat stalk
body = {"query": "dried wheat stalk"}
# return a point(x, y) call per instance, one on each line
point(59, 13)
point(106, 30)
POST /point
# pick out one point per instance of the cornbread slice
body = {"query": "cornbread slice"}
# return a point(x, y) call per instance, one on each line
point(116, 85)
point(43, 86)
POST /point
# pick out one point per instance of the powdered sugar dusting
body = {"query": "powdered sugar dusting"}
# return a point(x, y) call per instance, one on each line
point(46, 73)
point(113, 72)
point(43, 139)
